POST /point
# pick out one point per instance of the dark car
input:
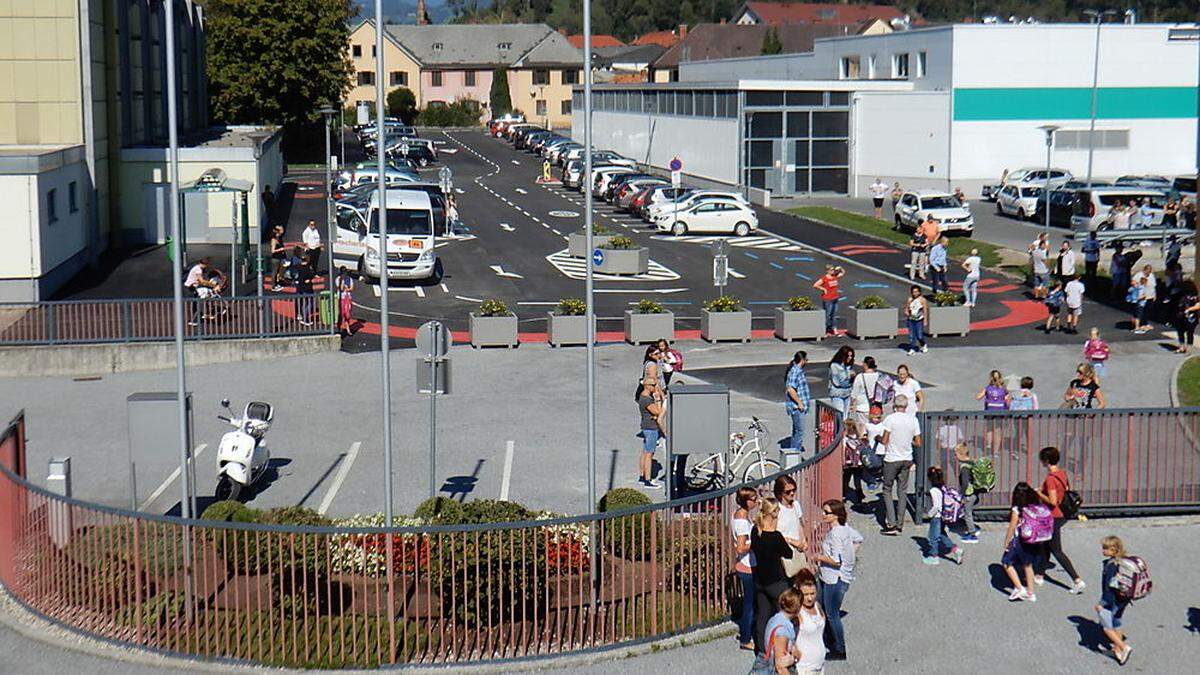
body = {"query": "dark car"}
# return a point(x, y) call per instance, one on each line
point(419, 153)
point(1062, 207)
point(619, 182)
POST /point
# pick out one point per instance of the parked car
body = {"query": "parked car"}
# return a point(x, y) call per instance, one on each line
point(659, 195)
point(1026, 176)
point(1075, 184)
point(497, 125)
point(1091, 207)
point(1155, 182)
point(618, 182)
point(1062, 207)
point(414, 149)
point(609, 157)
point(722, 215)
point(604, 176)
point(555, 153)
point(368, 174)
point(690, 197)
point(917, 205)
point(631, 189)
point(1017, 200)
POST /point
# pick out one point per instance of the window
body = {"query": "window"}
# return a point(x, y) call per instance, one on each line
point(437, 46)
point(435, 78)
point(372, 51)
point(683, 103)
point(830, 125)
point(900, 66)
point(704, 103)
point(504, 45)
point(1077, 139)
point(72, 203)
point(921, 64)
point(764, 125)
point(830, 153)
point(764, 98)
point(850, 68)
point(811, 98)
point(356, 50)
point(871, 67)
point(51, 206)
point(541, 107)
point(398, 78)
point(566, 107)
point(366, 78)
point(469, 78)
point(797, 125)
point(570, 77)
point(541, 76)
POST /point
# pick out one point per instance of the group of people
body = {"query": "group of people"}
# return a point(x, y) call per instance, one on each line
point(660, 363)
point(1138, 213)
point(296, 266)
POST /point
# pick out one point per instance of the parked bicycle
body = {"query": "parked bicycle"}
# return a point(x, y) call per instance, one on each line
point(746, 457)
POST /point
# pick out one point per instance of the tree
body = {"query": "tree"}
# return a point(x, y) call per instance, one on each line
point(273, 62)
point(402, 103)
point(771, 44)
point(501, 99)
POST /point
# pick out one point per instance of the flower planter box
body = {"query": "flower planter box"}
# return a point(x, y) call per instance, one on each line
point(807, 324)
point(642, 329)
point(869, 323)
point(493, 331)
point(728, 326)
point(955, 320)
point(577, 243)
point(566, 329)
point(625, 261)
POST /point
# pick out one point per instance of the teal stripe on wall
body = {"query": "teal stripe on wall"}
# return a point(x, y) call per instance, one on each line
point(1073, 103)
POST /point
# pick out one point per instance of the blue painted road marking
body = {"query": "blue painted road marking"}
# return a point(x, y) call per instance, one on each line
point(804, 276)
point(798, 258)
point(870, 284)
point(777, 266)
point(751, 255)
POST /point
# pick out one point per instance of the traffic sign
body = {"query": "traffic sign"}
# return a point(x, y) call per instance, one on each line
point(675, 165)
point(720, 247)
point(676, 178)
point(598, 257)
point(720, 271)
point(433, 340)
point(444, 176)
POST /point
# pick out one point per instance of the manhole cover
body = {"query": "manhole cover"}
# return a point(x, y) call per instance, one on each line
point(565, 214)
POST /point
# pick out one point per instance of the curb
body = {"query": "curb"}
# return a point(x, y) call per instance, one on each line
point(28, 624)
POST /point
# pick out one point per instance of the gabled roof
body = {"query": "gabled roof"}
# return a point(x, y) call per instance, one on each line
point(603, 57)
point(482, 45)
point(726, 41)
point(597, 41)
point(776, 13)
point(665, 38)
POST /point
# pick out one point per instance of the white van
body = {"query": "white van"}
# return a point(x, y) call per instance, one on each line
point(1092, 205)
point(410, 243)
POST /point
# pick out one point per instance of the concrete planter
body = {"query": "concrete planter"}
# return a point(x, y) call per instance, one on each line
point(642, 329)
point(869, 323)
point(625, 261)
point(493, 331)
point(955, 320)
point(566, 329)
point(729, 326)
point(577, 243)
point(807, 324)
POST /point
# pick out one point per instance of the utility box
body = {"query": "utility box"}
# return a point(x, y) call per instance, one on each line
point(153, 426)
point(697, 422)
point(58, 481)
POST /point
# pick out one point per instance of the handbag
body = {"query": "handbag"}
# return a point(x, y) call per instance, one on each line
point(793, 565)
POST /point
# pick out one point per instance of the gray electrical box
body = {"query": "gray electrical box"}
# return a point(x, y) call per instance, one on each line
point(697, 422)
point(153, 425)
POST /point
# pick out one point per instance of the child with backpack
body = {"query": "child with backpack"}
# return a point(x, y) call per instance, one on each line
point(975, 477)
point(1054, 302)
point(855, 462)
point(1124, 578)
point(1029, 524)
point(945, 508)
point(1024, 398)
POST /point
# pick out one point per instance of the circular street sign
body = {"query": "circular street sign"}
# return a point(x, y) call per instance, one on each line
point(564, 214)
point(598, 257)
point(444, 174)
point(675, 164)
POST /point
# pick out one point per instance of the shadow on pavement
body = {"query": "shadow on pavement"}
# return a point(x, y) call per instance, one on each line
point(999, 579)
point(1193, 617)
point(1091, 636)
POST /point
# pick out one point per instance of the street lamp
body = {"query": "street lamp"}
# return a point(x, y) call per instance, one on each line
point(385, 342)
point(328, 111)
point(1098, 17)
point(591, 305)
point(1049, 129)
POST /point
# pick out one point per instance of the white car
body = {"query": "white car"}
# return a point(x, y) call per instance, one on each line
point(601, 178)
point(1018, 200)
point(660, 195)
point(1031, 175)
point(952, 215)
point(410, 234)
point(722, 215)
point(690, 198)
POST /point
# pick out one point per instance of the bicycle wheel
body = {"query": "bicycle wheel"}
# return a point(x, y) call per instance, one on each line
point(759, 469)
point(707, 475)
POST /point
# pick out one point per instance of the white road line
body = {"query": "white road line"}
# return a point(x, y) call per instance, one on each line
point(522, 191)
point(467, 299)
point(501, 273)
point(513, 161)
point(556, 231)
point(507, 476)
point(343, 470)
point(170, 479)
point(736, 274)
point(445, 289)
point(420, 291)
point(506, 227)
point(661, 291)
point(539, 303)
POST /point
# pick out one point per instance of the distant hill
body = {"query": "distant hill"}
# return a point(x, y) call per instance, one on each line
point(404, 11)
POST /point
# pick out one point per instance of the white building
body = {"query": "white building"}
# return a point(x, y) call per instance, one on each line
point(939, 107)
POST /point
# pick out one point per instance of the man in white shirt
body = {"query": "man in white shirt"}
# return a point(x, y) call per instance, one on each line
point(1039, 252)
point(1074, 291)
point(901, 433)
point(879, 191)
point(1066, 261)
point(312, 244)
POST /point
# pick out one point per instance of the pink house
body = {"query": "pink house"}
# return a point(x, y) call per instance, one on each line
point(447, 86)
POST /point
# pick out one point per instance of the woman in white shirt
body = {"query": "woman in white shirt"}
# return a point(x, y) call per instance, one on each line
point(908, 385)
point(791, 519)
point(810, 626)
point(741, 525)
point(971, 282)
point(836, 561)
point(862, 389)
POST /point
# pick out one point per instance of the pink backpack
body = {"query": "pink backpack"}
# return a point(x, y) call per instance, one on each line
point(1095, 350)
point(1132, 580)
point(1036, 524)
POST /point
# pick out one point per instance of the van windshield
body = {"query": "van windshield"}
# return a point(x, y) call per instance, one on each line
point(404, 221)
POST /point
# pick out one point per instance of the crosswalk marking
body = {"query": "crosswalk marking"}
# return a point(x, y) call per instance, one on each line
point(756, 242)
point(576, 268)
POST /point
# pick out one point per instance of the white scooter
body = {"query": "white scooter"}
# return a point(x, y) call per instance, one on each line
point(243, 457)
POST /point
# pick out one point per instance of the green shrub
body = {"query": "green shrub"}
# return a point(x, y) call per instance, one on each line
point(648, 306)
point(724, 303)
point(947, 299)
point(440, 511)
point(494, 511)
point(800, 303)
point(571, 307)
point(229, 510)
point(275, 552)
point(620, 243)
point(464, 112)
point(493, 308)
point(601, 230)
point(627, 536)
point(872, 302)
point(620, 498)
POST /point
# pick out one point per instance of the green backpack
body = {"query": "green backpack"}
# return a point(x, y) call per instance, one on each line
point(983, 475)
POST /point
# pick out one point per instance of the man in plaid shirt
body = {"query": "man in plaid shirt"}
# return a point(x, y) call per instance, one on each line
point(798, 399)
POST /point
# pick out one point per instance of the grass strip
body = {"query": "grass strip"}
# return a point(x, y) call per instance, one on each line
point(1188, 384)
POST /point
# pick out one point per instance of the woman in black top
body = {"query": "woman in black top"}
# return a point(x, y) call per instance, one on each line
point(1187, 311)
point(1084, 390)
point(769, 548)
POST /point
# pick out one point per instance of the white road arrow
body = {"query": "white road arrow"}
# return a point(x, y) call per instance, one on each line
point(500, 272)
point(506, 227)
point(522, 191)
point(736, 274)
point(659, 291)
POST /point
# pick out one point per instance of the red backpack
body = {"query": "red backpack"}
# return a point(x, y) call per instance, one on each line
point(678, 366)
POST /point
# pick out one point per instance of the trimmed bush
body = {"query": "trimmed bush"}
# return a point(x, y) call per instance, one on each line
point(724, 303)
point(440, 511)
point(628, 536)
point(947, 299)
point(619, 243)
point(479, 511)
point(620, 498)
point(648, 306)
point(571, 307)
point(228, 511)
point(493, 308)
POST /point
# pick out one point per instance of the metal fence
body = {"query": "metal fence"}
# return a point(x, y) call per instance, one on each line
point(151, 320)
point(1130, 460)
point(370, 597)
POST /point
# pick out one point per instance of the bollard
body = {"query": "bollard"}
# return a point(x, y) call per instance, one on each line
point(58, 481)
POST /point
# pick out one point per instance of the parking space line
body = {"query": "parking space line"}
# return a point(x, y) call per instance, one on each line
point(736, 274)
point(465, 298)
point(343, 470)
point(420, 291)
point(158, 492)
point(445, 289)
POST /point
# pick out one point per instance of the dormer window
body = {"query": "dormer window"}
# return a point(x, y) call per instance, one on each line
point(437, 46)
point(504, 45)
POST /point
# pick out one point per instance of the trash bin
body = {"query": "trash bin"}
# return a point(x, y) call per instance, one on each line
point(170, 249)
point(328, 305)
point(789, 457)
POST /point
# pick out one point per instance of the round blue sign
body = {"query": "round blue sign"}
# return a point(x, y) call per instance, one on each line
point(598, 257)
point(675, 164)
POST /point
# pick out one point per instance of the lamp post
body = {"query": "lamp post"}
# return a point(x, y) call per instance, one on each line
point(1049, 129)
point(327, 112)
point(1098, 17)
point(385, 317)
point(591, 305)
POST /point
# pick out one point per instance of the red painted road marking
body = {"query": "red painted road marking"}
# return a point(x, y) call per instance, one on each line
point(861, 249)
point(987, 286)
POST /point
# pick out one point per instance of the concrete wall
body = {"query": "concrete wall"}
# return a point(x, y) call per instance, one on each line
point(525, 95)
point(900, 136)
point(394, 59)
point(655, 140)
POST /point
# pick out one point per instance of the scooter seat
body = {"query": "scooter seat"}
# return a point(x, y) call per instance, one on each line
point(259, 411)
